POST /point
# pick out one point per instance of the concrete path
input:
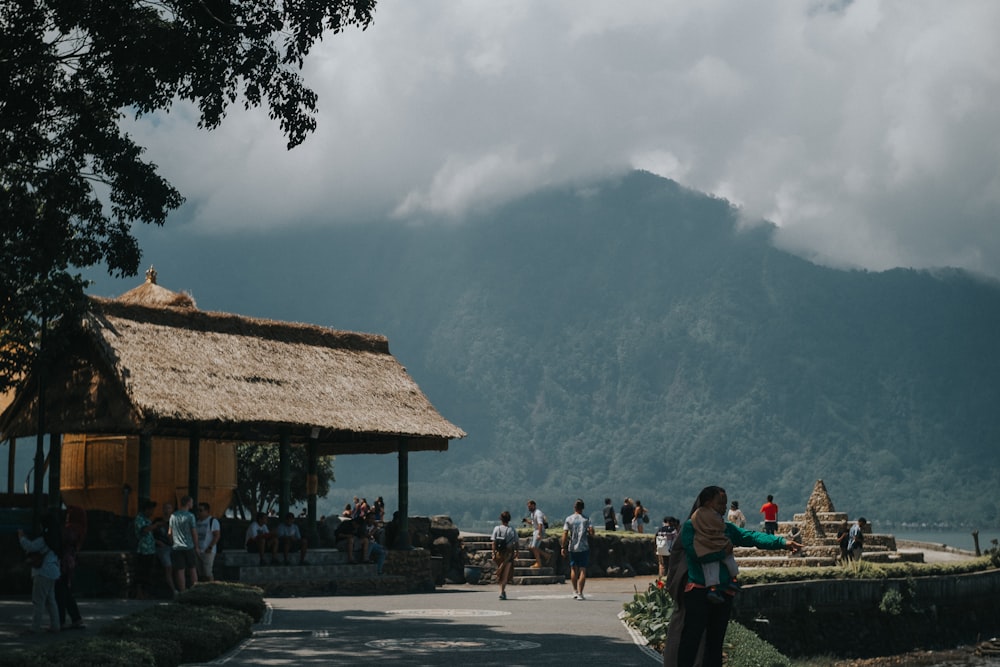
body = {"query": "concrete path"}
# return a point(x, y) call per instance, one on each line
point(457, 624)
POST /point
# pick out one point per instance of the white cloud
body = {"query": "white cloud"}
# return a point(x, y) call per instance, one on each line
point(463, 182)
point(867, 130)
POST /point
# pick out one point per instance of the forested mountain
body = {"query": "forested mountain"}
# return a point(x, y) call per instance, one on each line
point(627, 338)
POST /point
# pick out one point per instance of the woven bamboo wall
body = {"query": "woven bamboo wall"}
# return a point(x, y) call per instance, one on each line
point(95, 469)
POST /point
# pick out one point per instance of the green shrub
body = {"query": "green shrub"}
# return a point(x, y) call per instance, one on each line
point(745, 649)
point(248, 599)
point(209, 620)
point(993, 553)
point(892, 602)
point(90, 652)
point(649, 613)
point(862, 570)
point(204, 632)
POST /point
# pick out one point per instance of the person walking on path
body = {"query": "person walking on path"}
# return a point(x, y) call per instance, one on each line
point(504, 542)
point(145, 549)
point(577, 532)
point(185, 549)
point(736, 515)
point(665, 536)
point(610, 523)
point(856, 539)
point(697, 626)
point(209, 533)
point(628, 513)
point(843, 535)
point(770, 512)
point(639, 517)
point(44, 574)
point(164, 546)
point(74, 532)
point(537, 519)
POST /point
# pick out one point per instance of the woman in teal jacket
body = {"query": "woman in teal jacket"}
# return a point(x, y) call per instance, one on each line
point(700, 619)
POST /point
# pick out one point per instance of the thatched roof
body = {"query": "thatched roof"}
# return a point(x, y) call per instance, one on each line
point(132, 368)
point(151, 294)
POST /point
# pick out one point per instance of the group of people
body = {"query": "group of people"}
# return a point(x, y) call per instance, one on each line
point(574, 545)
point(184, 540)
point(695, 556)
point(286, 539)
point(702, 575)
point(360, 509)
point(633, 514)
point(362, 536)
point(52, 552)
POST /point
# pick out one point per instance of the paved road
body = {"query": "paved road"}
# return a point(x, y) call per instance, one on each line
point(455, 625)
point(452, 626)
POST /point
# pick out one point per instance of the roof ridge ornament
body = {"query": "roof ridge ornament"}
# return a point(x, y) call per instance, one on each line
point(151, 275)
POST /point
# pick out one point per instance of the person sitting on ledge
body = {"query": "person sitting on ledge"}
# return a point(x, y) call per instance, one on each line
point(351, 536)
point(376, 552)
point(290, 537)
point(259, 539)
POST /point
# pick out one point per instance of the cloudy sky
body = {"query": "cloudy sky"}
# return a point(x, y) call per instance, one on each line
point(868, 131)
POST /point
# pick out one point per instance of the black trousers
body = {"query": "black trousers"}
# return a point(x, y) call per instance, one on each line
point(702, 618)
point(65, 601)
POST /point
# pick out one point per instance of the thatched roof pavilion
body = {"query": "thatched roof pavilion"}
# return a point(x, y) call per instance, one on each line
point(150, 363)
point(136, 369)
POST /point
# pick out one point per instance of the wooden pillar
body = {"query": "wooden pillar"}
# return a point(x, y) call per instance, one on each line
point(11, 462)
point(403, 529)
point(55, 472)
point(312, 487)
point(41, 368)
point(38, 500)
point(285, 467)
point(145, 481)
point(194, 461)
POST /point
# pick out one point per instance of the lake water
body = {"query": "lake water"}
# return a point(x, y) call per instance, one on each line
point(960, 539)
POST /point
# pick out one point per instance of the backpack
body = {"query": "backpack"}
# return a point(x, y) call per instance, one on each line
point(645, 518)
point(545, 521)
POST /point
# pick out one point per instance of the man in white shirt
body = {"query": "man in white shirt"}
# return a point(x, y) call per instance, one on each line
point(577, 532)
point(259, 539)
point(537, 520)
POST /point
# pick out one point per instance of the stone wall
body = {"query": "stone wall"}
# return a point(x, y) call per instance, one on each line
point(620, 554)
point(867, 618)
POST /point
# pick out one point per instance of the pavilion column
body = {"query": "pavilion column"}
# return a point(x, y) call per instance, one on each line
point(11, 461)
point(194, 463)
point(312, 487)
point(41, 369)
point(55, 472)
point(285, 467)
point(39, 472)
point(403, 529)
point(145, 481)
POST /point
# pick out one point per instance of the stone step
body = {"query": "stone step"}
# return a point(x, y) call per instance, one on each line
point(362, 585)
point(533, 571)
point(824, 517)
point(783, 561)
point(327, 556)
point(274, 573)
point(537, 579)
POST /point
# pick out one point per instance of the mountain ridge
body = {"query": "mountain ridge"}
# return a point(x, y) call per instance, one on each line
point(630, 337)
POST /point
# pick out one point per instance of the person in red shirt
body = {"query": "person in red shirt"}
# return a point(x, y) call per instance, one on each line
point(770, 512)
